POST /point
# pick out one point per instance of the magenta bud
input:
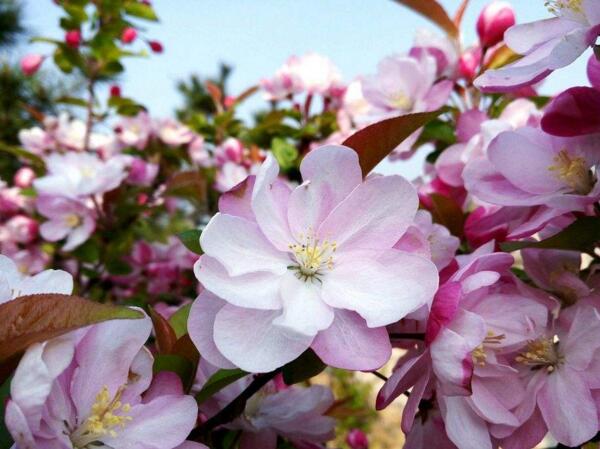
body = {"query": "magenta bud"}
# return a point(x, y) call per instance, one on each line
point(31, 64)
point(469, 62)
point(494, 20)
point(73, 38)
point(574, 112)
point(129, 34)
point(357, 439)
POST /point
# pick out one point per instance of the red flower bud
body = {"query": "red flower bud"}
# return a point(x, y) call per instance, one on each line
point(357, 439)
point(73, 38)
point(31, 64)
point(494, 20)
point(469, 62)
point(115, 91)
point(129, 34)
point(156, 46)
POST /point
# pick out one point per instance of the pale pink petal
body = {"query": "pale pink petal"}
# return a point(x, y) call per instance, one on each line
point(568, 407)
point(463, 426)
point(525, 37)
point(164, 383)
point(163, 423)
point(201, 323)
point(489, 406)
point(403, 378)
point(48, 281)
point(248, 338)
point(238, 201)
point(303, 309)
point(259, 290)
point(269, 202)
point(374, 216)
point(405, 282)
point(241, 247)
point(583, 338)
point(349, 344)
point(54, 230)
point(17, 425)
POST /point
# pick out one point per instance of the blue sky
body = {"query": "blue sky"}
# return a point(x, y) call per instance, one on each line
point(256, 36)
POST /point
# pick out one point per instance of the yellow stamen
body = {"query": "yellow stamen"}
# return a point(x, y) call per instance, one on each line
point(72, 220)
point(478, 354)
point(557, 6)
point(573, 171)
point(312, 257)
point(401, 101)
point(541, 354)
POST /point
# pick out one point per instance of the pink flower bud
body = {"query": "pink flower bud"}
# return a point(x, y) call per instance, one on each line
point(24, 177)
point(156, 46)
point(593, 72)
point(229, 101)
point(115, 91)
point(357, 439)
point(31, 64)
point(73, 38)
point(141, 172)
point(494, 20)
point(22, 229)
point(129, 34)
point(469, 62)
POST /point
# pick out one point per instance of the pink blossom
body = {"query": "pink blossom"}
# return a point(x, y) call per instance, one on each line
point(297, 272)
point(546, 45)
point(574, 112)
point(68, 218)
point(135, 131)
point(493, 21)
point(30, 64)
point(142, 173)
point(80, 174)
point(35, 140)
point(173, 133)
point(316, 73)
point(297, 414)
point(528, 167)
point(442, 49)
point(231, 150)
point(129, 34)
point(469, 62)
point(19, 229)
point(14, 283)
point(198, 152)
point(95, 387)
point(402, 85)
point(70, 133)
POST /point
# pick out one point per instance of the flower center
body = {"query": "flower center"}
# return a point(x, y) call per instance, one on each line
point(103, 419)
point(88, 172)
point(402, 101)
point(312, 257)
point(573, 171)
point(558, 6)
point(478, 354)
point(72, 220)
point(541, 354)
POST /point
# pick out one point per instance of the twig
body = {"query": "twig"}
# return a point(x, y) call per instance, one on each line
point(408, 336)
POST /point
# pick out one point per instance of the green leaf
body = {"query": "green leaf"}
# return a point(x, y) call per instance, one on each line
point(374, 142)
point(217, 382)
point(439, 131)
point(178, 320)
point(6, 440)
point(140, 10)
point(303, 368)
point(177, 364)
point(33, 159)
point(191, 240)
point(285, 152)
point(72, 101)
point(118, 266)
point(34, 318)
point(582, 235)
point(434, 12)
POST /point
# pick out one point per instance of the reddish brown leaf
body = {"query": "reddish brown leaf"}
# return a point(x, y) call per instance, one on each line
point(460, 12)
point(245, 94)
point(446, 212)
point(34, 318)
point(188, 184)
point(374, 142)
point(215, 93)
point(165, 335)
point(434, 12)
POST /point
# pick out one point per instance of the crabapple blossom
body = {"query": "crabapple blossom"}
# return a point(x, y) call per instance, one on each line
point(309, 267)
point(528, 167)
point(67, 218)
point(142, 173)
point(135, 131)
point(95, 387)
point(546, 45)
point(19, 229)
point(14, 283)
point(295, 413)
point(173, 133)
point(438, 46)
point(80, 174)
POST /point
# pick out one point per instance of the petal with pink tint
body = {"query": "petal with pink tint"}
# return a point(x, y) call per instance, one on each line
point(269, 202)
point(303, 309)
point(238, 201)
point(402, 379)
point(463, 426)
point(201, 323)
point(568, 407)
point(248, 338)
point(240, 246)
point(373, 216)
point(405, 282)
point(349, 344)
point(259, 290)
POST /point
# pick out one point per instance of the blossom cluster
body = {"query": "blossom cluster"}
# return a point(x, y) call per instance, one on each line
point(227, 265)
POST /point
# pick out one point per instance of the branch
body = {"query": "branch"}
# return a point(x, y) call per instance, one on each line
point(234, 409)
point(408, 336)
